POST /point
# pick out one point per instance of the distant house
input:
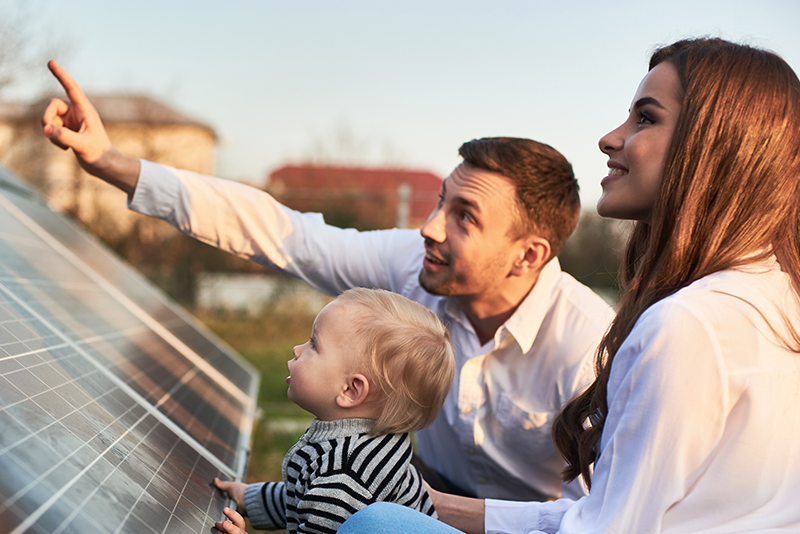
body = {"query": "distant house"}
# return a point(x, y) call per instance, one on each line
point(364, 198)
point(138, 126)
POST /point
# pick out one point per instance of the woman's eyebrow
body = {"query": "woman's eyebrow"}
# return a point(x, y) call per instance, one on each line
point(647, 100)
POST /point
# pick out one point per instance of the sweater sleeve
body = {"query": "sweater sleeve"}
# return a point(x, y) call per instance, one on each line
point(265, 504)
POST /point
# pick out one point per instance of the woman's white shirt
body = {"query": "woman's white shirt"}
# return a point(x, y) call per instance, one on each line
point(703, 429)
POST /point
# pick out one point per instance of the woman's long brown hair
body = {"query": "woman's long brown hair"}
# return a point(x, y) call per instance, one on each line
point(729, 196)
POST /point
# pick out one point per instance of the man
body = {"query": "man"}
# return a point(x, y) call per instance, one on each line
point(523, 332)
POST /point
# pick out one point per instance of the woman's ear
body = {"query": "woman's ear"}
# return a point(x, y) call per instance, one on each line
point(355, 392)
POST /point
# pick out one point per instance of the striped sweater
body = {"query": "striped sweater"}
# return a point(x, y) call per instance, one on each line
point(335, 470)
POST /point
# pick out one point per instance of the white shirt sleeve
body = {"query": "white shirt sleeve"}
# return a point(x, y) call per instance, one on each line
point(667, 398)
point(507, 517)
point(249, 223)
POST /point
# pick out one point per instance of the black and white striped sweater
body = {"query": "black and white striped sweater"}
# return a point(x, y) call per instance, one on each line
point(335, 470)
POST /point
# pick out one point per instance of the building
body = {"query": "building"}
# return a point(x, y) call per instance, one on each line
point(138, 127)
point(363, 198)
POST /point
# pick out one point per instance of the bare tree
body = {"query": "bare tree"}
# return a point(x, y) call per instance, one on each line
point(25, 43)
point(342, 146)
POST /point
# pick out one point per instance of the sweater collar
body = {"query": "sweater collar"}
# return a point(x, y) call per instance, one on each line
point(327, 430)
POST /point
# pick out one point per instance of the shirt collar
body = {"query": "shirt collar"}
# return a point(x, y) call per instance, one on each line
point(524, 324)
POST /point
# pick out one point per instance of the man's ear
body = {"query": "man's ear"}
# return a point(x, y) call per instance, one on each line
point(354, 393)
point(534, 254)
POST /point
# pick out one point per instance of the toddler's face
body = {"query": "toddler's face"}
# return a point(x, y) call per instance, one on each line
point(322, 364)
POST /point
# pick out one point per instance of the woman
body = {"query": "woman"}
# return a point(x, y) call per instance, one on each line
point(693, 422)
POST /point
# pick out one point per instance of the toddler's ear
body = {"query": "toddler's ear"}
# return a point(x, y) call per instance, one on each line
point(354, 393)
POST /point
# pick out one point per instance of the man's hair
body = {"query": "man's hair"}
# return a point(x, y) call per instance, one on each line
point(408, 357)
point(547, 191)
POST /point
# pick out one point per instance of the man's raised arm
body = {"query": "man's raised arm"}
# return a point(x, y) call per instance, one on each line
point(75, 124)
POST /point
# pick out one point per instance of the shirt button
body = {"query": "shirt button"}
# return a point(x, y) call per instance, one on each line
point(466, 410)
point(482, 480)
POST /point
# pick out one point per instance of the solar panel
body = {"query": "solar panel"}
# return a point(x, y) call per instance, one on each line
point(117, 408)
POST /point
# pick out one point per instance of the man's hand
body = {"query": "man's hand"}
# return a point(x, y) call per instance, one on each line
point(235, 491)
point(75, 124)
point(463, 513)
point(234, 526)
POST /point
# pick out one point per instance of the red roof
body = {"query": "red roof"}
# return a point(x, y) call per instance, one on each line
point(312, 180)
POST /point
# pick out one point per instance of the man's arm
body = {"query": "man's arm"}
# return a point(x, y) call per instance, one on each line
point(75, 124)
point(230, 216)
point(249, 223)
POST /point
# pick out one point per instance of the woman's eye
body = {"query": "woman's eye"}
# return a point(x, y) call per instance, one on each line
point(644, 118)
point(440, 203)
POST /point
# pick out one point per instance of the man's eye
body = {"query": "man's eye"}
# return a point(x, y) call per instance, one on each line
point(440, 203)
point(466, 217)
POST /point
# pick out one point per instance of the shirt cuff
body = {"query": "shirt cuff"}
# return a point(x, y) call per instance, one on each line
point(511, 517)
point(156, 191)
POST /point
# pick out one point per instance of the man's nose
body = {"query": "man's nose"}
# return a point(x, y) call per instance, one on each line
point(434, 227)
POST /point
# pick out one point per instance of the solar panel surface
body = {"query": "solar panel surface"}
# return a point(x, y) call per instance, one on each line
point(116, 408)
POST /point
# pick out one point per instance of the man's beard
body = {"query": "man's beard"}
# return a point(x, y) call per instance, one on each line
point(443, 289)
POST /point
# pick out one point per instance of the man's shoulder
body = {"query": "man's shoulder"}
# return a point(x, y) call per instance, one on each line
point(580, 300)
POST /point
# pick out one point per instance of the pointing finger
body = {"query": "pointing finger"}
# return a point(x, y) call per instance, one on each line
point(74, 92)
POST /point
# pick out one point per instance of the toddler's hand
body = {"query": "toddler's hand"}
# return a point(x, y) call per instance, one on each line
point(234, 526)
point(235, 491)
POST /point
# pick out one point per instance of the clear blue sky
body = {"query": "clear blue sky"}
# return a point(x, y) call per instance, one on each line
point(408, 80)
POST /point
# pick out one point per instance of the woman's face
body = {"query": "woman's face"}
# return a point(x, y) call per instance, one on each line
point(637, 149)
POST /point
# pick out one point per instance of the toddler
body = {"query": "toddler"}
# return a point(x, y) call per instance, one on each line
point(377, 366)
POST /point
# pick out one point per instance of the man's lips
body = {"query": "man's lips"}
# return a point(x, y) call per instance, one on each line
point(433, 259)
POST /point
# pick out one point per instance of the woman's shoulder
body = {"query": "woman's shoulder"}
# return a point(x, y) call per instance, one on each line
point(732, 312)
point(759, 289)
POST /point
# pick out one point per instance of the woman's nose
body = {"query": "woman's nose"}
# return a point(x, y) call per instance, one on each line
point(611, 142)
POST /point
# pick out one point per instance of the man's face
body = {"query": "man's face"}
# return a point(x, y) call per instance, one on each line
point(468, 246)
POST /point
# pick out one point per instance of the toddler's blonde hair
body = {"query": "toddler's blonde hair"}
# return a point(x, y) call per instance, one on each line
point(408, 356)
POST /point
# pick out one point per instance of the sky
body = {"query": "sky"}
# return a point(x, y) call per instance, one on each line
point(389, 82)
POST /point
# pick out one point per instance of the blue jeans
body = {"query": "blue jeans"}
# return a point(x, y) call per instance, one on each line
point(390, 518)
